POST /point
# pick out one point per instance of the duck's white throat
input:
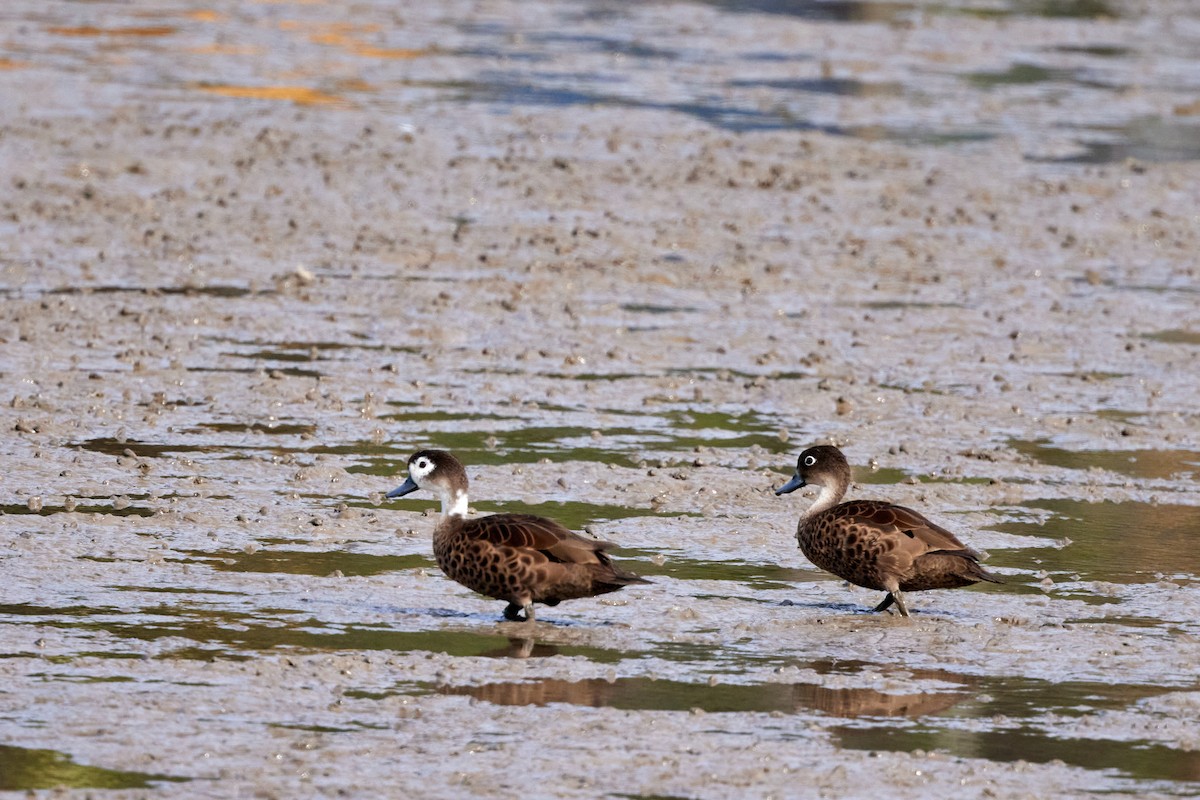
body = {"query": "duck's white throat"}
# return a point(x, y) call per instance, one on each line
point(454, 503)
point(826, 499)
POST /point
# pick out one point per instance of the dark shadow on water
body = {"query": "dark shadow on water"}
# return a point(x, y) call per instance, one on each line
point(920, 605)
point(23, 770)
point(838, 608)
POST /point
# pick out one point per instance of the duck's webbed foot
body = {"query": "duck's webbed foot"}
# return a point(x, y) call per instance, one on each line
point(512, 612)
point(886, 604)
point(893, 597)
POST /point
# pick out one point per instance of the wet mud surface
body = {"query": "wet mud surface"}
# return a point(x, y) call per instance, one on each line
point(626, 261)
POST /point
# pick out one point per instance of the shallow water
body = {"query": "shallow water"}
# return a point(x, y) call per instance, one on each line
point(626, 260)
point(24, 769)
point(1163, 769)
point(1119, 542)
point(601, 55)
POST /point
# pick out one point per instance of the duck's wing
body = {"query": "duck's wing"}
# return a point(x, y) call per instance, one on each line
point(898, 521)
point(526, 531)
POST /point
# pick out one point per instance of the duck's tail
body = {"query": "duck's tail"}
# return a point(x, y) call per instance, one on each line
point(973, 568)
point(947, 569)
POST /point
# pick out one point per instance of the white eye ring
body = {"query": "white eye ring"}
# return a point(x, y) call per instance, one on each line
point(810, 460)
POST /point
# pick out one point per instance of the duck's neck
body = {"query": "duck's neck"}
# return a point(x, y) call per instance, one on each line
point(828, 498)
point(454, 503)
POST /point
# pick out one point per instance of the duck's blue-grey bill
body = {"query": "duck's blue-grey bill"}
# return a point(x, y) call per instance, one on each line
point(403, 489)
point(795, 483)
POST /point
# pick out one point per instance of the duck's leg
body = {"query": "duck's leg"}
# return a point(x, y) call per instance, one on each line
point(899, 598)
point(886, 604)
point(512, 612)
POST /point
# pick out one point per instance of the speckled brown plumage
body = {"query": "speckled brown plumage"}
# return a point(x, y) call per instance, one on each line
point(519, 558)
point(875, 544)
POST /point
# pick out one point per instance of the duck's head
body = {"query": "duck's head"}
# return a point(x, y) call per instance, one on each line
point(440, 473)
point(823, 465)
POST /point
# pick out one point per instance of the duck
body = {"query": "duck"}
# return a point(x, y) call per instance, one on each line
point(519, 558)
point(872, 543)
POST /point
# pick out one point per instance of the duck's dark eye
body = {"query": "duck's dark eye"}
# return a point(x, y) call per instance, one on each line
point(422, 464)
point(810, 460)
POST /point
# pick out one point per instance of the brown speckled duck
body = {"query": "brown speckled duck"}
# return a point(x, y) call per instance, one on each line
point(520, 558)
point(872, 543)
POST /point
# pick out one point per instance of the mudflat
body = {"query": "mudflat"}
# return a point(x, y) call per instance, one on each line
point(626, 261)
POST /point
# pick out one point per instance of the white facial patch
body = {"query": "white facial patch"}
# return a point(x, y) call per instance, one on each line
point(810, 460)
point(420, 469)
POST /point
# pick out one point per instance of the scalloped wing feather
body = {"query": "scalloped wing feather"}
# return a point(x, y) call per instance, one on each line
point(526, 531)
point(888, 518)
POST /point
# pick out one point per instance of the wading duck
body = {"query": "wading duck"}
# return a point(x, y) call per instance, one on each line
point(519, 558)
point(872, 543)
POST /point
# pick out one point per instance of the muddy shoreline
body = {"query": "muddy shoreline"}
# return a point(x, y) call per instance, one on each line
point(627, 293)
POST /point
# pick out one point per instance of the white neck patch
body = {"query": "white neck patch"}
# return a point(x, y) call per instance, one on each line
point(826, 499)
point(454, 504)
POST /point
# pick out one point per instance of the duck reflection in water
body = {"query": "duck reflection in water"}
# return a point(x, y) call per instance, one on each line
point(650, 694)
